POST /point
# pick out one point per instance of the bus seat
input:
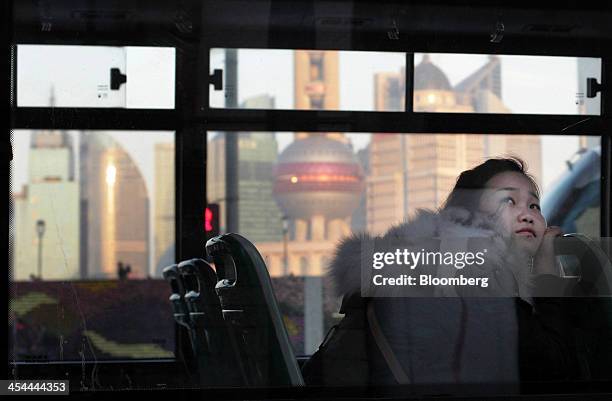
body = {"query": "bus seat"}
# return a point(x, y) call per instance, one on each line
point(209, 330)
point(250, 308)
point(180, 311)
point(177, 300)
point(589, 304)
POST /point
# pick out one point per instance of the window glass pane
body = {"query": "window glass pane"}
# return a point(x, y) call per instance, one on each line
point(309, 80)
point(92, 225)
point(300, 193)
point(573, 202)
point(81, 76)
point(474, 83)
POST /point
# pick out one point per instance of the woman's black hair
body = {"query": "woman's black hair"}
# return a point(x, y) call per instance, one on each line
point(471, 183)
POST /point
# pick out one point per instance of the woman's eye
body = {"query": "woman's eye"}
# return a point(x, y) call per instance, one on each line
point(508, 200)
point(536, 206)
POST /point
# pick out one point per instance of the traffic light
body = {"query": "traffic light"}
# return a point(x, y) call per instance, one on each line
point(211, 220)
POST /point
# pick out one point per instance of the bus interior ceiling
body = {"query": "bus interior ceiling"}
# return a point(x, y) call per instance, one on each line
point(418, 25)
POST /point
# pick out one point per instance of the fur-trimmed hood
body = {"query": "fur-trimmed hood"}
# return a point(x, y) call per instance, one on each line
point(505, 265)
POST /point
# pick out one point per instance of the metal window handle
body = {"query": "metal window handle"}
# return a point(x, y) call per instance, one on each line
point(593, 87)
point(116, 78)
point(216, 79)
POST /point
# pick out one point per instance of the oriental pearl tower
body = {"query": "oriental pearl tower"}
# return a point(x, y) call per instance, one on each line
point(318, 180)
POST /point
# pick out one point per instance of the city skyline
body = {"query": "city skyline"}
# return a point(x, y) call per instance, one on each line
point(315, 97)
point(521, 72)
point(46, 213)
point(83, 225)
point(141, 152)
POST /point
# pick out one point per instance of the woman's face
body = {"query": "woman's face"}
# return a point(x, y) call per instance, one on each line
point(513, 199)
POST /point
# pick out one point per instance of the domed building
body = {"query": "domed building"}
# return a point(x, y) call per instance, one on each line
point(318, 182)
point(409, 172)
point(433, 91)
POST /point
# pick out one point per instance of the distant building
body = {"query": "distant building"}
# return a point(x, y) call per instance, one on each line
point(316, 80)
point(408, 172)
point(115, 207)
point(164, 217)
point(390, 91)
point(359, 220)
point(259, 216)
point(51, 196)
point(318, 180)
point(481, 90)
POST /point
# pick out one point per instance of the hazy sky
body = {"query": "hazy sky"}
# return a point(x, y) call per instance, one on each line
point(535, 84)
point(530, 85)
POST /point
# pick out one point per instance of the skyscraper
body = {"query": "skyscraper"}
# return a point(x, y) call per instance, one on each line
point(46, 212)
point(116, 206)
point(318, 180)
point(415, 171)
point(259, 216)
point(316, 80)
point(163, 220)
point(316, 87)
point(390, 90)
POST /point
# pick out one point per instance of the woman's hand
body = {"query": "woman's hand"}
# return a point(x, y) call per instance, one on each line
point(544, 261)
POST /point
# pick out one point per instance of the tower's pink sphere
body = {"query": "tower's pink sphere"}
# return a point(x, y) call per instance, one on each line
point(318, 176)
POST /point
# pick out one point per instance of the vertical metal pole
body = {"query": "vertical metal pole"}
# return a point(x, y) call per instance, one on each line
point(408, 108)
point(409, 84)
point(285, 245)
point(285, 255)
point(313, 313)
point(231, 143)
point(40, 257)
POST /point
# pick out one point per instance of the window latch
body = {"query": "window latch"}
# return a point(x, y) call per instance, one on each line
point(216, 79)
point(593, 87)
point(116, 78)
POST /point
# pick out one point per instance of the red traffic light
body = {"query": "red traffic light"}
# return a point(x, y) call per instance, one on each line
point(211, 220)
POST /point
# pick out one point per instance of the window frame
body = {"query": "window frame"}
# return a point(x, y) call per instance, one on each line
point(192, 119)
point(188, 233)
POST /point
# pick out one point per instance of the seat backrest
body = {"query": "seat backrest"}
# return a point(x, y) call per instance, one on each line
point(180, 311)
point(250, 308)
point(588, 307)
point(177, 296)
point(213, 348)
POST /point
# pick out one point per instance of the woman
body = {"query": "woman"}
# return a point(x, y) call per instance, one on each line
point(495, 335)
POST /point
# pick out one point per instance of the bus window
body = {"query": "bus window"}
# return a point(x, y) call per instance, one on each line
point(329, 185)
point(324, 80)
point(93, 225)
point(504, 84)
point(96, 76)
